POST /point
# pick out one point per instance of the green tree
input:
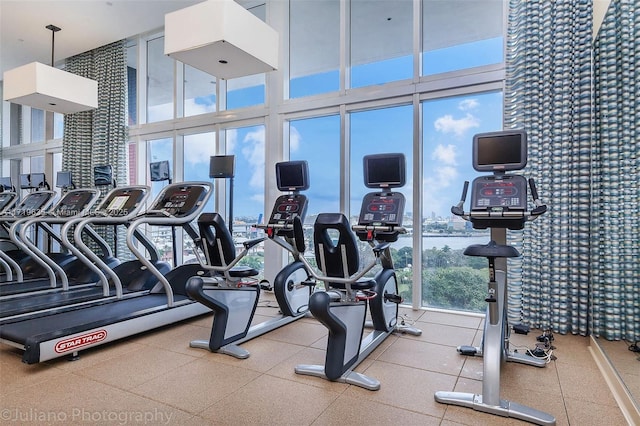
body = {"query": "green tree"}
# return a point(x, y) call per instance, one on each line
point(455, 287)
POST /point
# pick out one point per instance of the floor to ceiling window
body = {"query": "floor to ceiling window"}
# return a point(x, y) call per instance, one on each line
point(450, 279)
point(330, 48)
point(379, 131)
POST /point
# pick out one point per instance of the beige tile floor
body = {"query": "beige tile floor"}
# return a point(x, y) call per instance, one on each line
point(155, 378)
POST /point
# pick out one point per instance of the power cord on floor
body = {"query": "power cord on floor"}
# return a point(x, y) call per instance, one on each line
point(633, 347)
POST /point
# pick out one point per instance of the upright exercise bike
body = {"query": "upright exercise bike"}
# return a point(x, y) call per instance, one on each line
point(499, 202)
point(233, 292)
point(342, 307)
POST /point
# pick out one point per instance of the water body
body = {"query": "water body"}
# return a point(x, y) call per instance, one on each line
point(455, 243)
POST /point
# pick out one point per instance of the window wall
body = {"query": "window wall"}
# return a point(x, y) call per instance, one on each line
point(449, 279)
point(356, 77)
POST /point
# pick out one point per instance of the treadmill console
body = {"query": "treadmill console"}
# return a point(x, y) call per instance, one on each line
point(181, 200)
point(32, 204)
point(121, 202)
point(74, 203)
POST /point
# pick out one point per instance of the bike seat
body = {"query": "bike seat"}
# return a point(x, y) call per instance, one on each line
point(362, 284)
point(491, 249)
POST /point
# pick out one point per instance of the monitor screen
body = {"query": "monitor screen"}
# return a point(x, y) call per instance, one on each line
point(5, 184)
point(37, 180)
point(292, 175)
point(102, 175)
point(384, 170)
point(159, 171)
point(500, 151)
point(24, 181)
point(63, 180)
point(222, 166)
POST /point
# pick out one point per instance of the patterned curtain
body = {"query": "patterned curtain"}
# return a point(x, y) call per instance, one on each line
point(548, 93)
point(99, 137)
point(615, 219)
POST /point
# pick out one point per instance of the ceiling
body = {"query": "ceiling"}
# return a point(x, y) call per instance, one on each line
point(85, 24)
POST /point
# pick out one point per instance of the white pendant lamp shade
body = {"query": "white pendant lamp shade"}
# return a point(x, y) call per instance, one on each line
point(221, 38)
point(44, 87)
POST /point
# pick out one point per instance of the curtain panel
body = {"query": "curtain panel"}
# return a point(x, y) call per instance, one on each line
point(548, 93)
point(99, 137)
point(616, 175)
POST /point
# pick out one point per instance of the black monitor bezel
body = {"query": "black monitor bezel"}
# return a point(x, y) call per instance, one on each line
point(67, 178)
point(222, 166)
point(500, 167)
point(103, 175)
point(159, 171)
point(397, 158)
point(38, 180)
point(302, 166)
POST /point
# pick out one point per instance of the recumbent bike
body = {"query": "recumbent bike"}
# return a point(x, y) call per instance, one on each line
point(342, 307)
point(233, 292)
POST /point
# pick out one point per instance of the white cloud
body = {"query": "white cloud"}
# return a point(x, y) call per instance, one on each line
point(448, 124)
point(468, 104)
point(445, 154)
point(198, 148)
point(294, 139)
point(253, 150)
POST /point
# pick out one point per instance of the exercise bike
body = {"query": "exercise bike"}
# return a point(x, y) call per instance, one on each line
point(499, 202)
point(233, 292)
point(342, 307)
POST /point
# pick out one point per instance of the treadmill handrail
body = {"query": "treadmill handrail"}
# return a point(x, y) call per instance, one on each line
point(21, 226)
point(165, 221)
point(84, 253)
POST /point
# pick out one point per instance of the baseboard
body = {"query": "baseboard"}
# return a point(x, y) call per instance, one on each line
point(630, 410)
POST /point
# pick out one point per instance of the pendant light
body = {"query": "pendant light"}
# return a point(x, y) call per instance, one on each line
point(45, 87)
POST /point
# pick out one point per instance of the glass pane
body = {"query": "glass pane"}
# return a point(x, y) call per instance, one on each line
point(247, 144)
point(198, 149)
point(477, 39)
point(58, 126)
point(381, 41)
point(450, 279)
point(161, 236)
point(132, 84)
point(37, 125)
point(159, 82)
point(383, 131)
point(199, 92)
point(314, 57)
point(317, 140)
point(245, 91)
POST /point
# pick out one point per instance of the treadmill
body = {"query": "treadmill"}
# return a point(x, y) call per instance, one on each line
point(34, 203)
point(75, 203)
point(67, 332)
point(119, 206)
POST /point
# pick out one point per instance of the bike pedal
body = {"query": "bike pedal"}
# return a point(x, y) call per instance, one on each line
point(467, 350)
